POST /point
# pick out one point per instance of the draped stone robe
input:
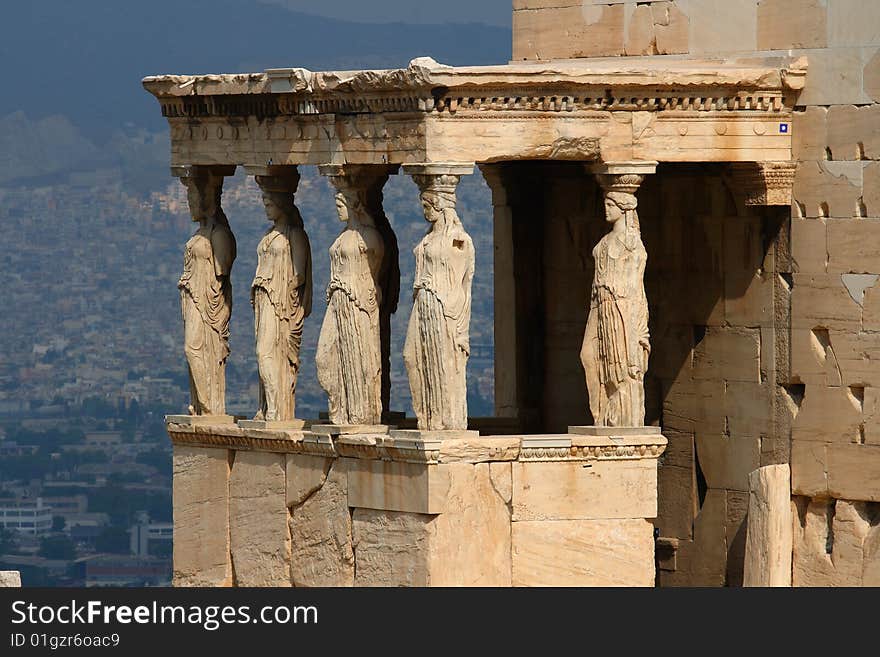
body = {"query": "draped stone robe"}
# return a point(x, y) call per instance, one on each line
point(437, 339)
point(349, 354)
point(281, 297)
point(206, 306)
point(613, 358)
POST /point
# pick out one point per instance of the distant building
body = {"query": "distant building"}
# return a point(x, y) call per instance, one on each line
point(27, 515)
point(100, 439)
point(106, 570)
point(67, 504)
point(12, 448)
point(145, 535)
point(98, 520)
point(39, 571)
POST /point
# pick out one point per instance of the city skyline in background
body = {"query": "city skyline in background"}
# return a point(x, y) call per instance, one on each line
point(91, 354)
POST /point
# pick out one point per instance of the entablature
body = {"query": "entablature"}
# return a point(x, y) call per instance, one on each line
point(677, 111)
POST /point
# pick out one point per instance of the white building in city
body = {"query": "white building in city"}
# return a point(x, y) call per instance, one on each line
point(28, 515)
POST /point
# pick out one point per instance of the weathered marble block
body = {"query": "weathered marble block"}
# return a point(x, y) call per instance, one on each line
point(201, 517)
point(769, 537)
point(259, 539)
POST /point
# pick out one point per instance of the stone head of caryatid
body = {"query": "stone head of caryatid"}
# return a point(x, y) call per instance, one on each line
point(203, 193)
point(278, 197)
point(620, 198)
point(437, 196)
point(351, 201)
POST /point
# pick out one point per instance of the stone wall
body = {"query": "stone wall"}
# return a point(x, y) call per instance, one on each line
point(259, 508)
point(717, 289)
point(826, 351)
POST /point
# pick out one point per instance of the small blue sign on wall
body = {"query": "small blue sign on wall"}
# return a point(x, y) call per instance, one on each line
point(783, 128)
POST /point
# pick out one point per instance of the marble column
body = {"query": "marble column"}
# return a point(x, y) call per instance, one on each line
point(505, 331)
point(206, 292)
point(616, 344)
point(437, 339)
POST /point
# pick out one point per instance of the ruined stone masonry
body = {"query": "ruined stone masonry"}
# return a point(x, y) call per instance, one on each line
point(686, 202)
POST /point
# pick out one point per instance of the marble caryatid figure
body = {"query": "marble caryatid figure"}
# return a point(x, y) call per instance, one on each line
point(349, 359)
point(616, 343)
point(437, 339)
point(281, 295)
point(206, 295)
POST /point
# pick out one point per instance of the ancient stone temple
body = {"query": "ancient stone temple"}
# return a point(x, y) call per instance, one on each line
point(687, 323)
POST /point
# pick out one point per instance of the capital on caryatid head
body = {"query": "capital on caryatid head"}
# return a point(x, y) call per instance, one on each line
point(201, 181)
point(428, 175)
point(199, 174)
point(282, 179)
point(357, 176)
point(623, 177)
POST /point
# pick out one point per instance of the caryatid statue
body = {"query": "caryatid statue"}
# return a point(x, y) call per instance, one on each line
point(616, 343)
point(349, 359)
point(281, 295)
point(437, 340)
point(206, 294)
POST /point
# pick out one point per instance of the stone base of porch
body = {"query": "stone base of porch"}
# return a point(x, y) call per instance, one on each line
point(302, 509)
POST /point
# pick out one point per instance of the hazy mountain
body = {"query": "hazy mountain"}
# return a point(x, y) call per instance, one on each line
point(84, 59)
point(491, 12)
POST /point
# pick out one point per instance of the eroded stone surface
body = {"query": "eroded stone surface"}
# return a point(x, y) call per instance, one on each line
point(727, 461)
point(583, 553)
point(391, 548)
point(397, 486)
point(470, 541)
point(786, 24)
point(577, 490)
point(496, 448)
point(259, 538)
point(831, 542)
point(321, 535)
point(201, 517)
point(828, 415)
